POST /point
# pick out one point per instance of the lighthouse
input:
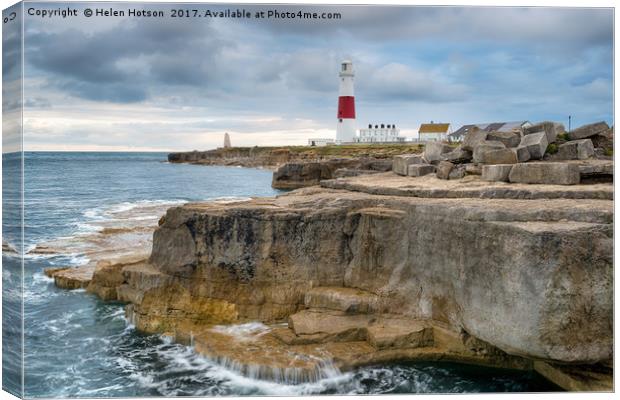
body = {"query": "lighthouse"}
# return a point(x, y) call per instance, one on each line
point(345, 131)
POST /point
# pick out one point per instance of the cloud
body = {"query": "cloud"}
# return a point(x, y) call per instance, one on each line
point(398, 82)
point(178, 84)
point(530, 25)
point(121, 63)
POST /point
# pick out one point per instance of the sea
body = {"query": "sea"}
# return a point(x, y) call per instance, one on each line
point(75, 345)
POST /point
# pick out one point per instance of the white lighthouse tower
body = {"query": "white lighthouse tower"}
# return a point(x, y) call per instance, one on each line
point(345, 131)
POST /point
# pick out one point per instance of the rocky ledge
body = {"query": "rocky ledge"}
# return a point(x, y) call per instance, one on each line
point(380, 268)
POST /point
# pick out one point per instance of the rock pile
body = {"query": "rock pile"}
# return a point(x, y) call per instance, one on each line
point(541, 153)
point(295, 175)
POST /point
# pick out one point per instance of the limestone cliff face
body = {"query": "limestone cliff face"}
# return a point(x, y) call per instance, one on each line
point(243, 156)
point(531, 277)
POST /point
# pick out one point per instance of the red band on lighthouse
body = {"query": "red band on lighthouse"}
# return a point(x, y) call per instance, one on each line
point(346, 107)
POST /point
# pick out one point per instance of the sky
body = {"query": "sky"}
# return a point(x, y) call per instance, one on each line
point(178, 84)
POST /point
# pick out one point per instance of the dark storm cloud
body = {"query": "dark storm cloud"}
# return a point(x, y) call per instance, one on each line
point(121, 64)
point(562, 26)
point(253, 76)
point(11, 53)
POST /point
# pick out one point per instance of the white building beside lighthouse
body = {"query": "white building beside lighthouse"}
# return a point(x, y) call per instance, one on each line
point(345, 128)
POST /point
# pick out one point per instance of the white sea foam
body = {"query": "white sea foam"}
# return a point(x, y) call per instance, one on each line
point(247, 331)
point(40, 277)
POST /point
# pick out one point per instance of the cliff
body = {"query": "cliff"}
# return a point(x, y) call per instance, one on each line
point(273, 157)
point(380, 268)
point(531, 278)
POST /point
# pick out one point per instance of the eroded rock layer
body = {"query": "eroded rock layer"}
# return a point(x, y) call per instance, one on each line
point(510, 279)
point(531, 278)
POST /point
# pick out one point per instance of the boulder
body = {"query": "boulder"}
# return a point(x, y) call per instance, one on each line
point(443, 169)
point(303, 174)
point(496, 173)
point(458, 172)
point(434, 151)
point(522, 153)
point(587, 131)
point(499, 156)
point(510, 139)
point(458, 155)
point(536, 144)
point(474, 137)
point(420, 169)
point(576, 150)
point(551, 129)
point(473, 169)
point(484, 147)
point(550, 173)
point(604, 140)
point(401, 162)
point(599, 172)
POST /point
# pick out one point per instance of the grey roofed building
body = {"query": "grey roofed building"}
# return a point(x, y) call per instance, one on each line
point(459, 134)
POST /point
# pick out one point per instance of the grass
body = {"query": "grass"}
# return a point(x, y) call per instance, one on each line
point(552, 148)
point(348, 150)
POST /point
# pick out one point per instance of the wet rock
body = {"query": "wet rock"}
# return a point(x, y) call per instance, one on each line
point(536, 144)
point(577, 378)
point(551, 129)
point(435, 151)
point(474, 137)
point(106, 279)
point(400, 334)
point(551, 173)
point(443, 169)
point(71, 278)
point(8, 249)
point(332, 324)
point(496, 173)
point(401, 163)
point(576, 150)
point(589, 130)
point(510, 139)
point(420, 169)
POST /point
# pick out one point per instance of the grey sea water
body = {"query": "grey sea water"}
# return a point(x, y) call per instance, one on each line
point(78, 346)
